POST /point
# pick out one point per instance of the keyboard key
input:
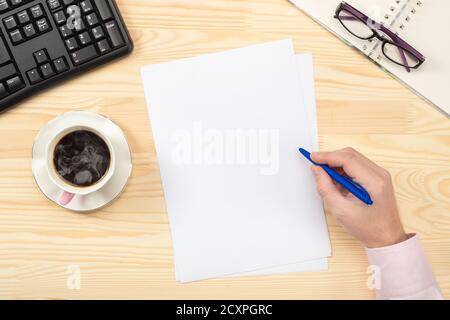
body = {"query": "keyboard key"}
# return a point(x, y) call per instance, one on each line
point(84, 38)
point(86, 6)
point(16, 36)
point(7, 71)
point(53, 4)
point(4, 5)
point(34, 76)
point(36, 11)
point(43, 25)
point(15, 84)
point(3, 92)
point(60, 65)
point(71, 44)
point(114, 34)
point(23, 17)
point(60, 17)
point(84, 55)
point(47, 70)
point(41, 56)
point(10, 22)
point(103, 9)
point(92, 19)
point(16, 2)
point(79, 25)
point(103, 46)
point(29, 31)
point(65, 31)
point(98, 32)
point(4, 54)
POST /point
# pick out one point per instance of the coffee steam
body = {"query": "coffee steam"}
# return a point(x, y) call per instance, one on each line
point(82, 158)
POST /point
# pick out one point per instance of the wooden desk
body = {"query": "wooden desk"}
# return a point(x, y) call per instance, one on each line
point(125, 250)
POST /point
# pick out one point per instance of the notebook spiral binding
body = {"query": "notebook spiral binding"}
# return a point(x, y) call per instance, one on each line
point(414, 6)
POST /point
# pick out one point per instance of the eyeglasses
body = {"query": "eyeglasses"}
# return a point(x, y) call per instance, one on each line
point(361, 26)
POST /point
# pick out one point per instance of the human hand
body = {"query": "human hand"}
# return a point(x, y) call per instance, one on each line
point(377, 225)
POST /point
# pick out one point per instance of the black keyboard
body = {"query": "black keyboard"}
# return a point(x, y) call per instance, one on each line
point(46, 41)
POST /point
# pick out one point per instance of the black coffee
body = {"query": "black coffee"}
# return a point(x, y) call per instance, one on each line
point(82, 158)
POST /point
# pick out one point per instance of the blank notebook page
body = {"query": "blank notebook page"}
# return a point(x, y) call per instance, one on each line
point(234, 217)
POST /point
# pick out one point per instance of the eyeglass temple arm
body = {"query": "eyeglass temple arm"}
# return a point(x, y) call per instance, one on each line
point(347, 18)
point(402, 55)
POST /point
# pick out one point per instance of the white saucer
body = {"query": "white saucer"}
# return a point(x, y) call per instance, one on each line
point(123, 162)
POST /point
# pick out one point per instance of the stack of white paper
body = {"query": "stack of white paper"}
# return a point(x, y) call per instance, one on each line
point(227, 128)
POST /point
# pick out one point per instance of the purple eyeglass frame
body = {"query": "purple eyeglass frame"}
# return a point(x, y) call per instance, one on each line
point(402, 45)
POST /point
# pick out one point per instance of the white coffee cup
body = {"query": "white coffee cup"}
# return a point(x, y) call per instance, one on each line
point(68, 190)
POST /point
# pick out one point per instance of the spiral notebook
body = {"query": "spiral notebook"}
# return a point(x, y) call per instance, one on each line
point(422, 23)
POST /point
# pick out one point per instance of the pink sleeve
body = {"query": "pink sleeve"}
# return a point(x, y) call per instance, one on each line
point(402, 271)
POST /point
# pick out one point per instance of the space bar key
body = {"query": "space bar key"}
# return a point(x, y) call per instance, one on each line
point(84, 55)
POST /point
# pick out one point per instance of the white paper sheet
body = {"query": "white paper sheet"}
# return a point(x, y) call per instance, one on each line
point(228, 214)
point(307, 88)
point(308, 91)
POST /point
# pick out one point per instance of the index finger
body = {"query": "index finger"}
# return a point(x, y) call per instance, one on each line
point(352, 162)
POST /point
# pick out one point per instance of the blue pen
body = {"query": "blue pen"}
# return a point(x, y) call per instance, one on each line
point(354, 188)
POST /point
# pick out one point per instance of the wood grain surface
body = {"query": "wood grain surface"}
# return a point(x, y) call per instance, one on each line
point(125, 250)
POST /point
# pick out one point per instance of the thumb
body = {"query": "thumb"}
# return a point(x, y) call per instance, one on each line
point(326, 188)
